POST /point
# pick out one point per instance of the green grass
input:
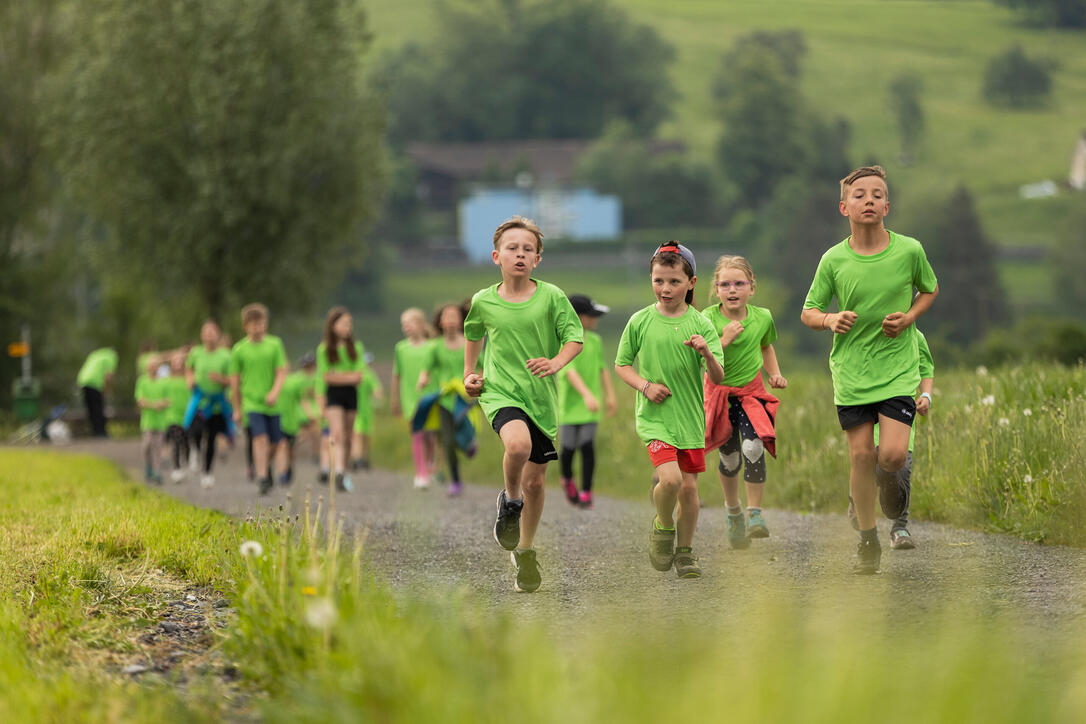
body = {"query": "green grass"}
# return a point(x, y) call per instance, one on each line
point(317, 638)
point(969, 470)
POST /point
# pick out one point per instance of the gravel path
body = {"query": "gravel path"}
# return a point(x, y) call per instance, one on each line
point(595, 566)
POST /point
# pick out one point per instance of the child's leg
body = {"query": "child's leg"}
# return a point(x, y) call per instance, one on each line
point(148, 460)
point(518, 447)
point(567, 448)
point(430, 442)
point(282, 458)
point(448, 442)
point(666, 492)
point(533, 482)
point(364, 448)
point(336, 435)
point(418, 453)
point(906, 474)
point(357, 453)
point(861, 482)
point(348, 434)
point(588, 464)
point(688, 509)
point(728, 470)
point(214, 426)
point(325, 455)
point(893, 444)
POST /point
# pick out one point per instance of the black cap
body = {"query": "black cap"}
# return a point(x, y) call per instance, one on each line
point(584, 305)
point(308, 360)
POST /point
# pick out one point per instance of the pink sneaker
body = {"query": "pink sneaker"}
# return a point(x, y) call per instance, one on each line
point(570, 488)
point(585, 500)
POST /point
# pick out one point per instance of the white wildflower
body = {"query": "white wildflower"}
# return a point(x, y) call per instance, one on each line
point(251, 548)
point(988, 400)
point(982, 371)
point(968, 408)
point(320, 613)
point(1027, 412)
point(1028, 479)
point(1003, 422)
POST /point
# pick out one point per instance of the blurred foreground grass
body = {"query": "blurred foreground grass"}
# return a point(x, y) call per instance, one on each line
point(317, 638)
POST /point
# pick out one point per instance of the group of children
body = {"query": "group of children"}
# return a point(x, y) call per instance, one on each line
point(698, 377)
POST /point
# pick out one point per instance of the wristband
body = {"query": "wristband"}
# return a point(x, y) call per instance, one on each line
point(925, 394)
point(645, 389)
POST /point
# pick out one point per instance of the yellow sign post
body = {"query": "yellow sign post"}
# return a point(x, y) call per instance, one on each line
point(18, 349)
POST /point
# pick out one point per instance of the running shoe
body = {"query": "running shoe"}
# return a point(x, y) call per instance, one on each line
point(737, 531)
point(900, 540)
point(207, 481)
point(422, 482)
point(348, 484)
point(528, 574)
point(852, 519)
point(686, 563)
point(570, 489)
point(893, 495)
point(265, 484)
point(661, 548)
point(868, 557)
point(585, 499)
point(177, 475)
point(322, 476)
point(194, 461)
point(756, 527)
point(507, 526)
point(340, 485)
point(455, 488)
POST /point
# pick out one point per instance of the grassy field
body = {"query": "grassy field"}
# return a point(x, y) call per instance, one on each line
point(314, 637)
point(999, 451)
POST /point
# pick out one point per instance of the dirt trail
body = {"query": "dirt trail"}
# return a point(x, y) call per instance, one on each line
point(595, 566)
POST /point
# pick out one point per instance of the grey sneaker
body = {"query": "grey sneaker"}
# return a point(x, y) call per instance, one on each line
point(507, 526)
point(528, 574)
point(868, 557)
point(686, 563)
point(661, 548)
point(737, 531)
point(900, 540)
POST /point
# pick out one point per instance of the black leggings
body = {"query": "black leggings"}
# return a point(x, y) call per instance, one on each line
point(204, 433)
point(175, 435)
point(448, 443)
point(588, 463)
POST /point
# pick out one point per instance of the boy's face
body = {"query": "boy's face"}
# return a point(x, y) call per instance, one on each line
point(517, 253)
point(670, 285)
point(588, 321)
point(209, 334)
point(733, 288)
point(256, 328)
point(411, 325)
point(866, 201)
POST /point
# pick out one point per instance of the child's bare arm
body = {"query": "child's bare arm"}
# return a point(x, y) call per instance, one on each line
point(608, 391)
point(590, 400)
point(923, 398)
point(543, 367)
point(473, 381)
point(273, 394)
point(769, 361)
point(836, 322)
point(712, 367)
point(655, 391)
point(235, 390)
point(394, 395)
point(896, 323)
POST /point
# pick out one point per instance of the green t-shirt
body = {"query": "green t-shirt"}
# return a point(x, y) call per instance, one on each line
point(201, 361)
point(517, 332)
point(656, 342)
point(589, 365)
point(927, 370)
point(363, 419)
point(866, 365)
point(743, 357)
point(257, 363)
point(408, 360)
point(150, 389)
point(296, 387)
point(444, 365)
point(99, 363)
point(176, 390)
point(142, 359)
point(343, 364)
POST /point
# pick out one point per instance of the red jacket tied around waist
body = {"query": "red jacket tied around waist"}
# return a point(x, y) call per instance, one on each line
point(757, 402)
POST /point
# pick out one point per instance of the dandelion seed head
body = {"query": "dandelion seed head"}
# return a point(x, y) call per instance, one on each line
point(1027, 479)
point(982, 371)
point(320, 613)
point(1027, 412)
point(988, 400)
point(1003, 422)
point(251, 549)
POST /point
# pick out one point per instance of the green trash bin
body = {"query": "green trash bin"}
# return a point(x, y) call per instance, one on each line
point(26, 396)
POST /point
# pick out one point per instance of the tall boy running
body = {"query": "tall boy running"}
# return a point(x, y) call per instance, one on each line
point(531, 332)
point(670, 340)
point(874, 359)
point(258, 367)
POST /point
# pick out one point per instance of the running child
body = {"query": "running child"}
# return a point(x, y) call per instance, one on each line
point(370, 391)
point(151, 400)
point(583, 386)
point(874, 360)
point(531, 333)
point(258, 367)
point(94, 378)
point(176, 390)
point(297, 406)
point(740, 414)
point(340, 366)
point(209, 414)
point(442, 367)
point(672, 344)
point(407, 362)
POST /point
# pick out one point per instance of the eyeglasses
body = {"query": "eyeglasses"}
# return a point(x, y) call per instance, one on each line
point(738, 286)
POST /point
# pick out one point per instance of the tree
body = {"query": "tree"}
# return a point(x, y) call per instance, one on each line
point(971, 300)
point(514, 69)
point(1056, 13)
point(227, 151)
point(1013, 80)
point(904, 96)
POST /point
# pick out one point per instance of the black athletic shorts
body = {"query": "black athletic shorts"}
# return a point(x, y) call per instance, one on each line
point(902, 409)
point(345, 396)
point(542, 446)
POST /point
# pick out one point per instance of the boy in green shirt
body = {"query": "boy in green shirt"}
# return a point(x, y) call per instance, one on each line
point(672, 343)
point(258, 367)
point(874, 359)
point(94, 378)
point(152, 402)
point(369, 391)
point(532, 332)
point(176, 389)
point(297, 408)
point(582, 384)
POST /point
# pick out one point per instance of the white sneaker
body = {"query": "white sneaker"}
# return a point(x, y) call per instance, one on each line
point(177, 475)
point(194, 461)
point(422, 482)
point(207, 481)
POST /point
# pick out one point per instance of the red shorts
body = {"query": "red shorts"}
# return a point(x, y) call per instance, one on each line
point(690, 461)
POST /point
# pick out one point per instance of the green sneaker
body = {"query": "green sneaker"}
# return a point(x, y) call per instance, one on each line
point(528, 574)
point(737, 531)
point(661, 548)
point(900, 540)
point(686, 563)
point(756, 527)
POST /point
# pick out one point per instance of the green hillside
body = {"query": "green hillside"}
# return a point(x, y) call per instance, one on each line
point(854, 48)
